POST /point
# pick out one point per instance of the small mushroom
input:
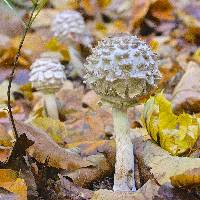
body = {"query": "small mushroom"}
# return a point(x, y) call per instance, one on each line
point(70, 29)
point(122, 69)
point(47, 75)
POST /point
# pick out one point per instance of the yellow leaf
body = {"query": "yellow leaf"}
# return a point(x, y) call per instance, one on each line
point(174, 133)
point(196, 55)
point(55, 128)
point(9, 180)
point(27, 91)
point(103, 3)
point(54, 45)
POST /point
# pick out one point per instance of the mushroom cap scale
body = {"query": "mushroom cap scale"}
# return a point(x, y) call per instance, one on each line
point(47, 75)
point(122, 69)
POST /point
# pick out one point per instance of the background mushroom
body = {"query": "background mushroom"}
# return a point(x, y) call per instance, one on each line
point(47, 75)
point(122, 69)
point(70, 29)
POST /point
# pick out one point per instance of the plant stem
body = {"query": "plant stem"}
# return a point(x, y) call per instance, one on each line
point(13, 71)
point(124, 166)
point(51, 105)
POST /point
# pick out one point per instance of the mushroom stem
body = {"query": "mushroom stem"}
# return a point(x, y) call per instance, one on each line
point(51, 106)
point(124, 166)
point(75, 60)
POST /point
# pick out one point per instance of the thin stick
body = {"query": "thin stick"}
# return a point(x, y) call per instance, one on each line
point(14, 67)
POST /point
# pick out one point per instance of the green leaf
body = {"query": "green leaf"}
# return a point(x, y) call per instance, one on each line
point(39, 5)
point(174, 133)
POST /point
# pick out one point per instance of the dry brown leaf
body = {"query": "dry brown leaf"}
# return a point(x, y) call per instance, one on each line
point(88, 148)
point(7, 56)
point(146, 192)
point(5, 194)
point(101, 153)
point(188, 179)
point(85, 176)
point(68, 190)
point(10, 23)
point(140, 9)
point(9, 180)
point(44, 18)
point(150, 190)
point(186, 95)
point(6, 144)
point(162, 10)
point(33, 45)
point(45, 150)
point(161, 164)
point(91, 99)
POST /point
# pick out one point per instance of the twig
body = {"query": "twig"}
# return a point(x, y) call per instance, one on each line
point(14, 67)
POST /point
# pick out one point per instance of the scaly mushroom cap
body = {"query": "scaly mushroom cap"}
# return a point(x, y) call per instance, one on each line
point(70, 25)
point(47, 74)
point(122, 69)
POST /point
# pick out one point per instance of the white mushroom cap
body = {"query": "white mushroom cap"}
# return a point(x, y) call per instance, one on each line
point(70, 25)
point(47, 74)
point(122, 69)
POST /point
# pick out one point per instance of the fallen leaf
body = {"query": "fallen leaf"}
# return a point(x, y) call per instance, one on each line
point(45, 150)
point(54, 45)
point(10, 181)
point(55, 128)
point(88, 148)
point(101, 153)
point(174, 133)
point(186, 96)
point(5, 194)
point(85, 176)
point(44, 18)
point(6, 144)
point(187, 179)
point(146, 192)
point(155, 161)
point(140, 9)
point(10, 23)
point(162, 10)
point(196, 55)
point(69, 190)
point(33, 45)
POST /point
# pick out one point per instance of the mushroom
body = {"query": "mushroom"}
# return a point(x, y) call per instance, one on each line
point(122, 69)
point(70, 29)
point(47, 75)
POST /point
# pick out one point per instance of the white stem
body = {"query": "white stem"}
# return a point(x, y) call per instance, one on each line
point(75, 59)
point(124, 166)
point(51, 106)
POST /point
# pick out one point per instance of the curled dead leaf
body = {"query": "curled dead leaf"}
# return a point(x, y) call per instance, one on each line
point(101, 153)
point(157, 162)
point(45, 150)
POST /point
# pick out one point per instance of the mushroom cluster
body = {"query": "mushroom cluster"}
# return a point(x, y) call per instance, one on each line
point(47, 75)
point(122, 69)
point(70, 29)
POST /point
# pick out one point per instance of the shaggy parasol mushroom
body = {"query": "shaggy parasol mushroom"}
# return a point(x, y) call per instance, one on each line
point(70, 29)
point(122, 69)
point(47, 75)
